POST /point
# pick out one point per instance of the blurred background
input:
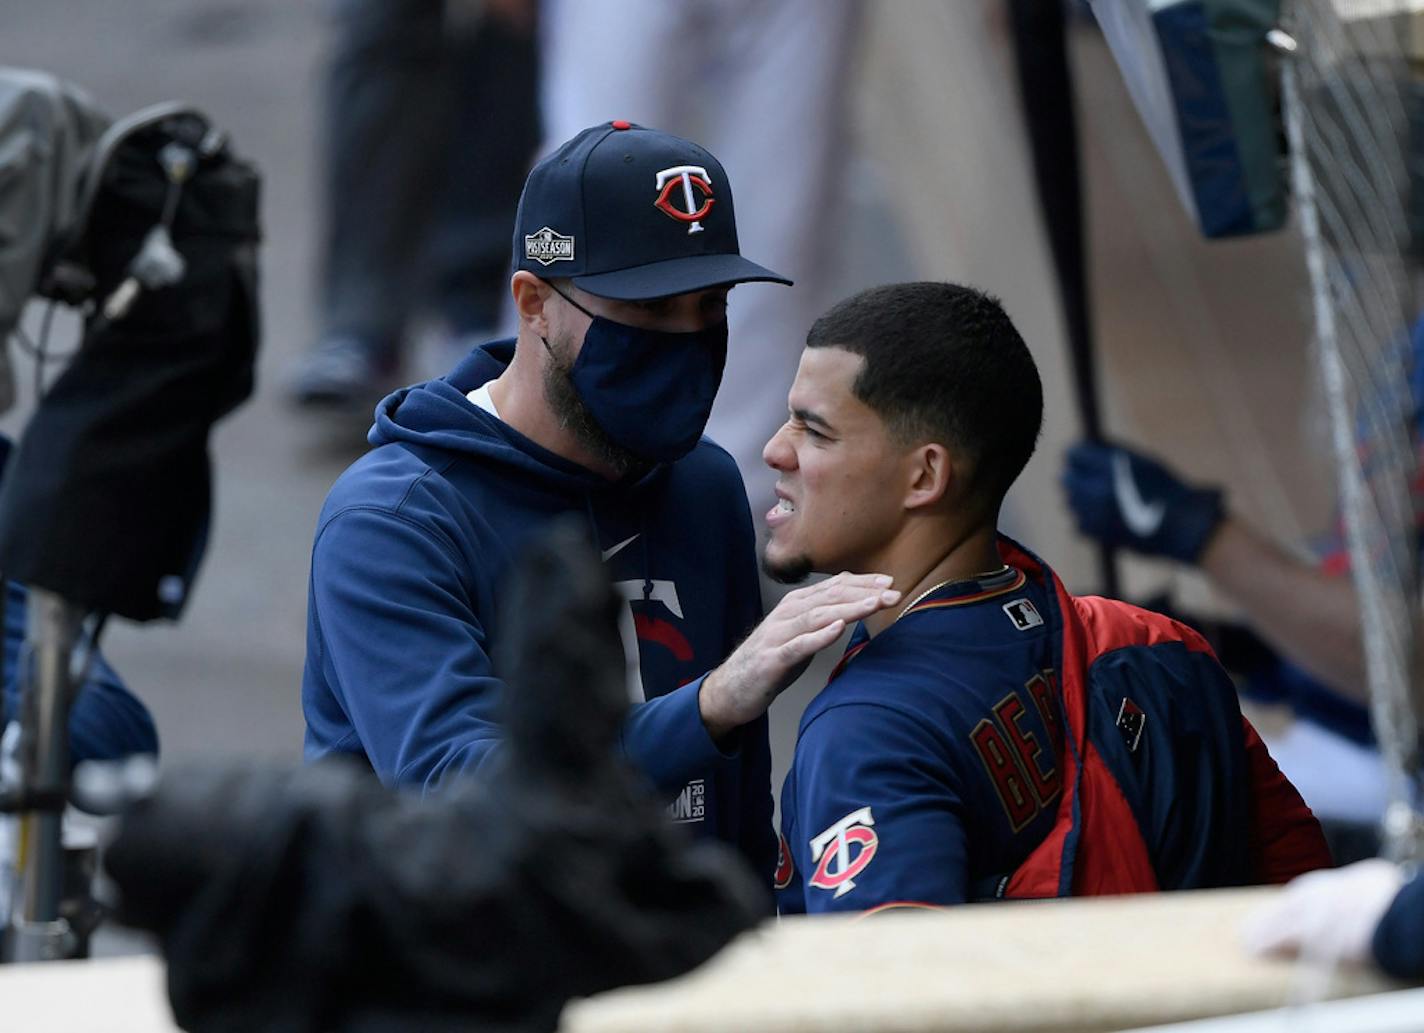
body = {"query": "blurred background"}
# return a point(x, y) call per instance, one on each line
point(1202, 347)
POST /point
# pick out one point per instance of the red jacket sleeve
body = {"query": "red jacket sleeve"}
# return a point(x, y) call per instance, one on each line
point(1286, 840)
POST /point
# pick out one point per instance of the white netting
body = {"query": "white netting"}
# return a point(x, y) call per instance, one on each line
point(1346, 93)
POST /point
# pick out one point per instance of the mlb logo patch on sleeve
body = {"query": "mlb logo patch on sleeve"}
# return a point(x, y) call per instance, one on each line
point(1024, 614)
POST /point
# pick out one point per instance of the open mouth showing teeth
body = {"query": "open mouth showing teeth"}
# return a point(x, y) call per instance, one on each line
point(785, 506)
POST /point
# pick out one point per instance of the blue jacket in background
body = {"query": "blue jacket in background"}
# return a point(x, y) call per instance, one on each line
point(1399, 938)
point(107, 721)
point(412, 546)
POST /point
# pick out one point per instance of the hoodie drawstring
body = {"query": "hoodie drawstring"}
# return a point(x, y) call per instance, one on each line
point(647, 564)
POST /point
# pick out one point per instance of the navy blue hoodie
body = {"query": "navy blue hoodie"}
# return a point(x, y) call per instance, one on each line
point(412, 545)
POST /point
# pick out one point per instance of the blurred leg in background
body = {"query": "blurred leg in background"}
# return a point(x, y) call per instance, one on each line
point(431, 120)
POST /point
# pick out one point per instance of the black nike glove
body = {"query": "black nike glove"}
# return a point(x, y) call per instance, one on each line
point(1125, 499)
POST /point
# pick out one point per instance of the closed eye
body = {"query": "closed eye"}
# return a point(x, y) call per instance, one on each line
point(799, 424)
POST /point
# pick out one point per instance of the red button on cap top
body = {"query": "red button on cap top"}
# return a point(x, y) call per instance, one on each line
point(618, 123)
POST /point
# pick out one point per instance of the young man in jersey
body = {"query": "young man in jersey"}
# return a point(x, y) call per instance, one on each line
point(990, 735)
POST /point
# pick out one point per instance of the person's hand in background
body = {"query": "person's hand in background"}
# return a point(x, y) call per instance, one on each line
point(1125, 499)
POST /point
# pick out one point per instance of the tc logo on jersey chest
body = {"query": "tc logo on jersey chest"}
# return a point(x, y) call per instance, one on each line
point(691, 803)
point(1024, 614)
point(844, 851)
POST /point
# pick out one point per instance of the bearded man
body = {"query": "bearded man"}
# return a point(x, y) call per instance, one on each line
point(625, 249)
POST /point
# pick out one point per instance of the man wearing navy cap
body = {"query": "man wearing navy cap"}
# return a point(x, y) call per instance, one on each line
point(625, 248)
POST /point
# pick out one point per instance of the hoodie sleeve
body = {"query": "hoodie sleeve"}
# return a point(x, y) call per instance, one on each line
point(666, 740)
point(395, 638)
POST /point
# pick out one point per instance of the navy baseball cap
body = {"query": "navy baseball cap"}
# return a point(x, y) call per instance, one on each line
point(631, 213)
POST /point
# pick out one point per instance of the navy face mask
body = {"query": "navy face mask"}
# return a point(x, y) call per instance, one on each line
point(650, 391)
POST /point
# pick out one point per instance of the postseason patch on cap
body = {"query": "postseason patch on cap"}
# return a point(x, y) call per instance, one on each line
point(547, 247)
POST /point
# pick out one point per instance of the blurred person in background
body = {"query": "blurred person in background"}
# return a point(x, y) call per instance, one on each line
point(595, 409)
point(765, 83)
point(431, 120)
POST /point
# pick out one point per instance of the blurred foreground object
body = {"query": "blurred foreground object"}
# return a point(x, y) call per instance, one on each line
point(1085, 964)
point(1327, 914)
point(317, 899)
point(1081, 965)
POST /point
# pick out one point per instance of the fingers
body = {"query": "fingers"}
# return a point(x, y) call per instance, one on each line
point(840, 588)
point(804, 646)
point(855, 609)
point(843, 585)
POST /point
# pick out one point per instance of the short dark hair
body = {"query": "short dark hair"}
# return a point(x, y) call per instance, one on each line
point(944, 363)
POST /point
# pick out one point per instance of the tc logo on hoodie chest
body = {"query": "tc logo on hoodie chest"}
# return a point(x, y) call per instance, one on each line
point(646, 624)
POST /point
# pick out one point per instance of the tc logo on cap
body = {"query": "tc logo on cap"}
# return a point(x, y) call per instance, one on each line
point(547, 247)
point(689, 176)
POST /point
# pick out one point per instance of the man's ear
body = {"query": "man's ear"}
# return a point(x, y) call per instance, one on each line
point(933, 474)
point(530, 295)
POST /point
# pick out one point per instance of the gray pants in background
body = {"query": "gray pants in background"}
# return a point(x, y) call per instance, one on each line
point(431, 124)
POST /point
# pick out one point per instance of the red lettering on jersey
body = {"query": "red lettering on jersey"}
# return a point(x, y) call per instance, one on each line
point(785, 867)
point(1044, 690)
point(1003, 768)
point(1011, 712)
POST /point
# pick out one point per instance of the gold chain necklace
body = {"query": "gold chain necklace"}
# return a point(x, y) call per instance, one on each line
point(945, 583)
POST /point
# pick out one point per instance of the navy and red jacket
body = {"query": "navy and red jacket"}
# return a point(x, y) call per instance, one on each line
point(1006, 739)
